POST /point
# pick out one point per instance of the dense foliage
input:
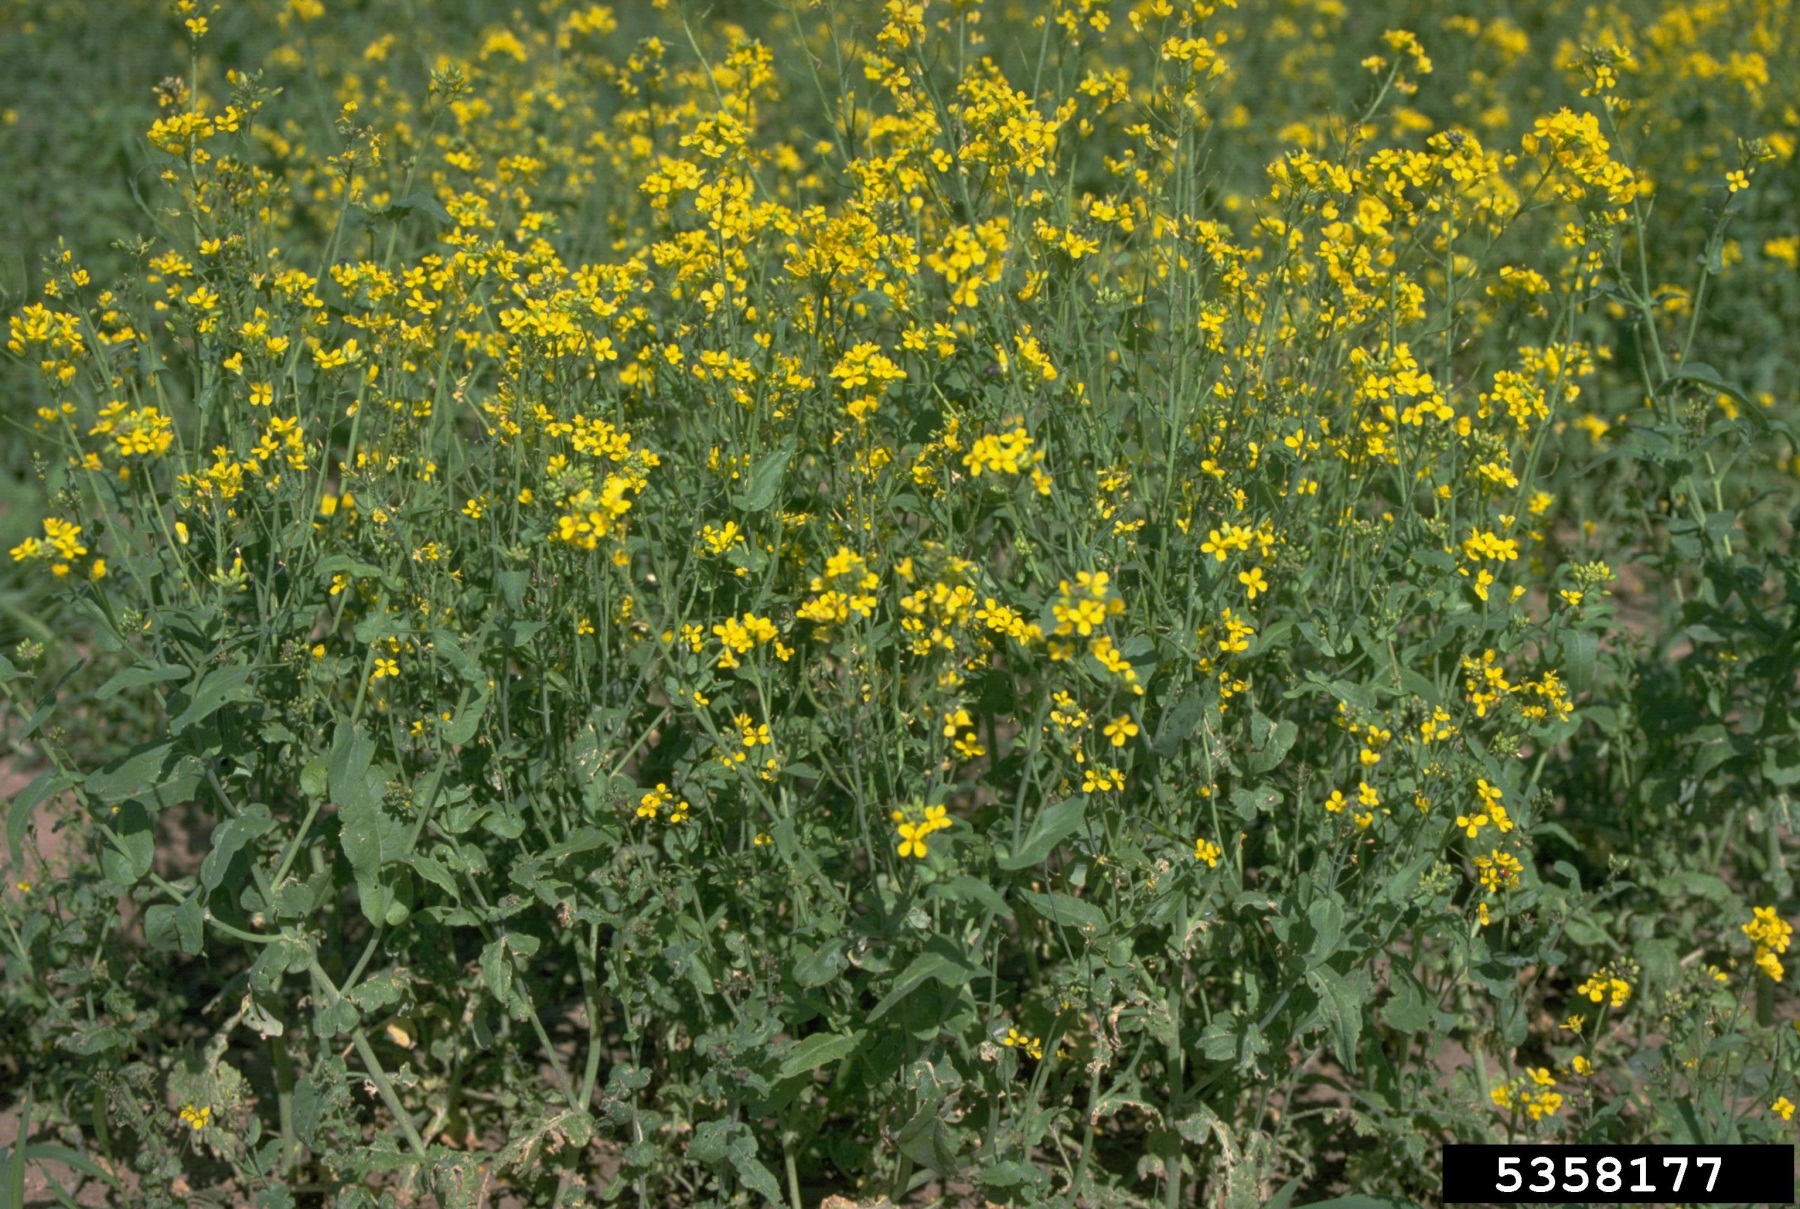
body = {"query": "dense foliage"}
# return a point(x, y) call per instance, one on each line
point(1068, 603)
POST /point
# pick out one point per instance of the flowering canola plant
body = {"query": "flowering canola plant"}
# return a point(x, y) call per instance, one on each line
point(687, 569)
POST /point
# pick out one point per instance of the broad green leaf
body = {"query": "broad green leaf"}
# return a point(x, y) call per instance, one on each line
point(370, 837)
point(1177, 723)
point(1706, 375)
point(1271, 744)
point(44, 786)
point(377, 626)
point(815, 1051)
point(512, 588)
point(966, 889)
point(817, 969)
point(137, 677)
point(518, 634)
point(332, 565)
point(463, 727)
point(128, 854)
point(750, 1169)
point(765, 480)
point(938, 963)
point(1251, 802)
point(216, 689)
point(496, 970)
point(1340, 1009)
point(1067, 909)
point(48, 1152)
point(229, 837)
point(314, 778)
point(181, 926)
point(1407, 1010)
point(433, 871)
point(1051, 827)
point(152, 774)
point(1580, 647)
point(1326, 914)
point(451, 648)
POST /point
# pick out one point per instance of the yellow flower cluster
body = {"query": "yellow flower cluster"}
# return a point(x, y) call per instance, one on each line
point(1605, 986)
point(1531, 1093)
point(660, 798)
point(914, 829)
point(1770, 933)
point(60, 546)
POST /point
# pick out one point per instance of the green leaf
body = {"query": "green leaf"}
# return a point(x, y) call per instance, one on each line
point(229, 837)
point(314, 778)
point(1407, 1011)
point(939, 963)
point(451, 648)
point(151, 773)
point(765, 480)
point(1361, 1202)
point(137, 677)
point(1068, 910)
point(1269, 742)
point(512, 588)
point(1251, 802)
point(1177, 723)
point(377, 626)
point(496, 970)
point(1579, 650)
point(815, 1051)
point(518, 634)
point(1706, 375)
point(370, 838)
point(463, 728)
point(45, 785)
point(127, 857)
point(1326, 914)
point(749, 1168)
point(1340, 1009)
point(331, 566)
point(377, 991)
point(966, 889)
point(1356, 696)
point(817, 969)
point(413, 203)
point(433, 871)
point(1051, 827)
point(216, 689)
point(45, 1152)
point(176, 927)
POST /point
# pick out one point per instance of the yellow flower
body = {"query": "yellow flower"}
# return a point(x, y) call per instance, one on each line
point(385, 667)
point(1783, 1108)
point(1120, 730)
point(1771, 935)
point(1253, 582)
point(1206, 850)
point(912, 839)
point(1604, 985)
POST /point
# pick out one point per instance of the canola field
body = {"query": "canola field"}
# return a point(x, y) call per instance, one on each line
point(1077, 603)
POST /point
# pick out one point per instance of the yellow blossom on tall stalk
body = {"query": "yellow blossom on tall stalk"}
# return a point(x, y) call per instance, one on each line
point(1770, 933)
